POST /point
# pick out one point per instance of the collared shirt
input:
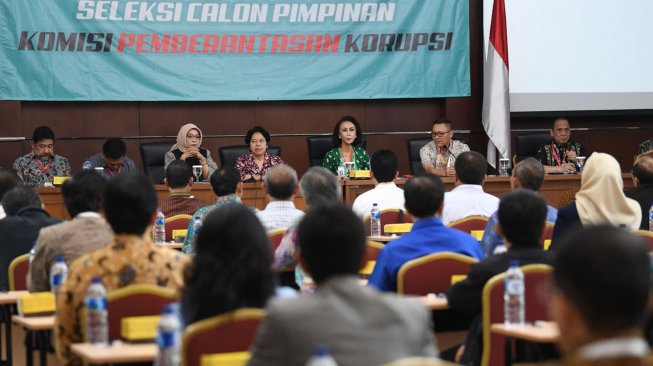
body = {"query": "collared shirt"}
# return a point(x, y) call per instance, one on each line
point(246, 165)
point(615, 347)
point(279, 215)
point(37, 173)
point(430, 154)
point(427, 236)
point(333, 159)
point(553, 154)
point(96, 161)
point(386, 195)
point(128, 260)
point(492, 238)
point(468, 200)
point(2, 212)
point(180, 204)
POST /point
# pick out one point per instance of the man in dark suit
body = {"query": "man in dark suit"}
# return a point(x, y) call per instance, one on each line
point(643, 191)
point(522, 215)
point(601, 290)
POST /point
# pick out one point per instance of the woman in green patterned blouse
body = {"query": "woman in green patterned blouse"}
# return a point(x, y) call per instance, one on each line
point(346, 136)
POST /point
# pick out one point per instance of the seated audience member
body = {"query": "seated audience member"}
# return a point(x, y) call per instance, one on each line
point(468, 198)
point(187, 148)
point(645, 147)
point(359, 325)
point(439, 156)
point(424, 202)
point(254, 165)
point(129, 204)
point(600, 200)
point(19, 230)
point(179, 179)
point(41, 165)
point(521, 222)
point(113, 159)
point(86, 232)
point(8, 180)
point(226, 185)
point(280, 185)
point(232, 267)
point(527, 174)
point(347, 134)
point(643, 191)
point(559, 155)
point(385, 193)
point(599, 305)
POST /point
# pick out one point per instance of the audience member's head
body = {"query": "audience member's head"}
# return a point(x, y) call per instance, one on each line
point(83, 192)
point(43, 141)
point(384, 166)
point(225, 181)
point(113, 153)
point(643, 169)
point(179, 174)
point(319, 187)
point(8, 180)
point(528, 174)
point(424, 195)
point(560, 131)
point(280, 182)
point(601, 282)
point(232, 267)
point(129, 204)
point(331, 242)
point(18, 198)
point(471, 168)
point(522, 216)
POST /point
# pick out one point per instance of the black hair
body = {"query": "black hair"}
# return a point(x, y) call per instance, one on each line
point(335, 139)
point(384, 165)
point(42, 133)
point(471, 167)
point(83, 192)
point(605, 272)
point(281, 182)
point(224, 181)
point(320, 186)
point(443, 121)
point(114, 148)
point(8, 180)
point(18, 198)
point(423, 195)
point(331, 241)
point(522, 214)
point(129, 202)
point(255, 129)
point(553, 124)
point(530, 173)
point(643, 169)
point(178, 173)
point(232, 267)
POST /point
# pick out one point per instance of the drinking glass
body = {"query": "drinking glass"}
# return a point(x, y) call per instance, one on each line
point(581, 162)
point(504, 164)
point(197, 172)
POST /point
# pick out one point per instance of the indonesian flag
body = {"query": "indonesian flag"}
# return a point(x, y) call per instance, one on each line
point(496, 98)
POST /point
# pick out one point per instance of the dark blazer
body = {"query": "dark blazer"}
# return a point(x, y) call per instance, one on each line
point(567, 221)
point(644, 196)
point(18, 234)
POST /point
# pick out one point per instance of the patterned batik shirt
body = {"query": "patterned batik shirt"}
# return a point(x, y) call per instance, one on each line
point(645, 147)
point(553, 154)
point(440, 158)
point(333, 159)
point(128, 260)
point(247, 166)
point(38, 171)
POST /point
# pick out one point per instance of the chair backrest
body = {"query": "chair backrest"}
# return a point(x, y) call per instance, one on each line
point(17, 274)
point(390, 216)
point(229, 154)
point(527, 144)
point(469, 223)
point(318, 146)
point(432, 274)
point(153, 158)
point(536, 298)
point(648, 236)
point(136, 300)
point(373, 249)
point(548, 232)
point(275, 238)
point(234, 331)
point(176, 222)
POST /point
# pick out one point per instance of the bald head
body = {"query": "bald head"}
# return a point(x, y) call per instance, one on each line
point(281, 182)
point(529, 173)
point(643, 169)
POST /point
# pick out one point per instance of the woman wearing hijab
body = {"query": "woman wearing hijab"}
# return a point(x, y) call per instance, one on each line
point(253, 165)
point(187, 148)
point(601, 200)
point(347, 134)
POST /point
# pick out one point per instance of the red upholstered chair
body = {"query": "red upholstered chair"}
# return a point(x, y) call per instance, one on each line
point(234, 331)
point(176, 222)
point(648, 236)
point(136, 300)
point(536, 279)
point(18, 269)
point(432, 273)
point(390, 216)
point(373, 249)
point(275, 238)
point(469, 223)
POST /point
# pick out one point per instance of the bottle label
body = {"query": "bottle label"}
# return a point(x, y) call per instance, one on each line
point(166, 339)
point(56, 279)
point(95, 303)
point(514, 287)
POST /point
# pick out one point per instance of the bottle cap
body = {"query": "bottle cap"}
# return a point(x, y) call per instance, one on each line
point(96, 280)
point(514, 263)
point(321, 350)
point(375, 204)
point(59, 259)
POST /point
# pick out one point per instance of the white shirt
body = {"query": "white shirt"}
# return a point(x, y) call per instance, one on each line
point(467, 200)
point(615, 347)
point(386, 195)
point(279, 215)
point(2, 213)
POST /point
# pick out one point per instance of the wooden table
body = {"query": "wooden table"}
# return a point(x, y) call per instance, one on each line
point(118, 352)
point(171, 245)
point(383, 239)
point(434, 302)
point(542, 332)
point(36, 329)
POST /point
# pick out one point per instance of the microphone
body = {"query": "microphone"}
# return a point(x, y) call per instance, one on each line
point(446, 148)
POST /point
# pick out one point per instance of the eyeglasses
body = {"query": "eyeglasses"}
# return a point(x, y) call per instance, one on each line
point(439, 134)
point(191, 137)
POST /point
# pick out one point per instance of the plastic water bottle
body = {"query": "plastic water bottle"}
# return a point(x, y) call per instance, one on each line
point(58, 273)
point(197, 227)
point(375, 220)
point(168, 337)
point(650, 218)
point(341, 171)
point(97, 327)
point(513, 296)
point(321, 357)
point(160, 228)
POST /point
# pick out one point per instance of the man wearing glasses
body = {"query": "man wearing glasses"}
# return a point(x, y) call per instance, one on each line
point(439, 156)
point(40, 166)
point(560, 155)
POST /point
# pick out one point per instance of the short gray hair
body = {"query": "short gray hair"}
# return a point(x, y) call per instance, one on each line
point(320, 186)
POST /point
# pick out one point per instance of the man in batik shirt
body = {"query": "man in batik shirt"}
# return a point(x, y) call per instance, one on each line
point(561, 154)
point(40, 166)
point(439, 156)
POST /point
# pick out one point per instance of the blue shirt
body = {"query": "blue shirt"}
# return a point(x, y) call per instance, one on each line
point(427, 236)
point(492, 239)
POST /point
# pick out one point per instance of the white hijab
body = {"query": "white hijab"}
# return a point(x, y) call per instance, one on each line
point(181, 137)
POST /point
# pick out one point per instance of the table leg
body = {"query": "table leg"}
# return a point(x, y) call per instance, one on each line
point(29, 347)
point(42, 343)
point(6, 318)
